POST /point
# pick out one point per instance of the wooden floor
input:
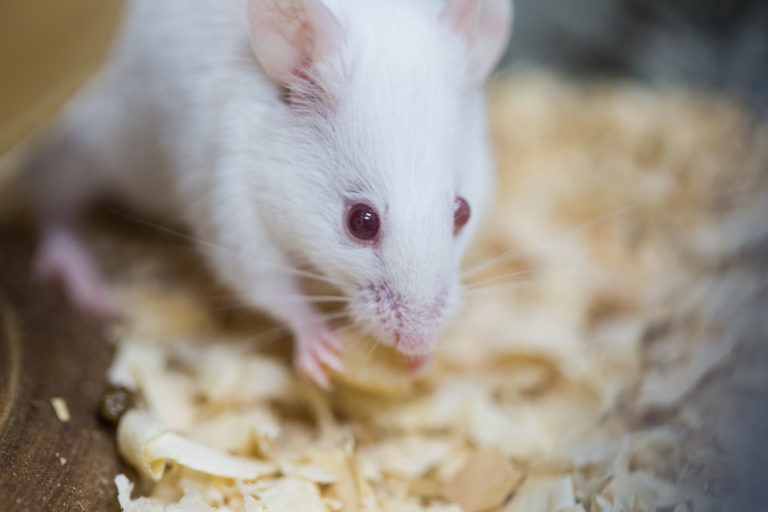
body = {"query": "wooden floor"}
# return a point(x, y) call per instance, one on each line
point(47, 350)
point(47, 50)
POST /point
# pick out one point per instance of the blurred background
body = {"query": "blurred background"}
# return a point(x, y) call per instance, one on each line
point(47, 49)
point(709, 43)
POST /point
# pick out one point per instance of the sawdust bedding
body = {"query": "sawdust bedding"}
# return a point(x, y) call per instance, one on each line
point(614, 282)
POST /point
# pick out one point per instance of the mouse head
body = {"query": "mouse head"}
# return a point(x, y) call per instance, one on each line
point(392, 155)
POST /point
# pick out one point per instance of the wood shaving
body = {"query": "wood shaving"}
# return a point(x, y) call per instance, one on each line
point(150, 446)
point(485, 482)
point(571, 381)
point(61, 409)
point(543, 494)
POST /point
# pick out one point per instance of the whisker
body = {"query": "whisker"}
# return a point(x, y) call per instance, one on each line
point(344, 328)
point(192, 238)
point(326, 298)
point(544, 238)
point(240, 306)
point(516, 284)
point(241, 301)
point(501, 287)
point(241, 296)
point(265, 338)
point(274, 334)
point(335, 316)
point(496, 306)
point(471, 286)
point(485, 307)
point(371, 350)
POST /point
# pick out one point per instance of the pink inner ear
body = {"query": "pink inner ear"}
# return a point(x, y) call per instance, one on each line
point(484, 26)
point(290, 36)
point(463, 15)
point(326, 31)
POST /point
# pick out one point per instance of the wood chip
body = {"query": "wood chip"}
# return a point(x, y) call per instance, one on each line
point(485, 481)
point(60, 409)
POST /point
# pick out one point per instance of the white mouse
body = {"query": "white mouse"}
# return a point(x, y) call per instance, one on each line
point(345, 138)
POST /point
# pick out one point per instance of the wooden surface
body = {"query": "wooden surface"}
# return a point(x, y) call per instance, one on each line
point(46, 351)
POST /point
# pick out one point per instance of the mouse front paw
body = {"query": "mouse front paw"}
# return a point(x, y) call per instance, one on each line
point(316, 351)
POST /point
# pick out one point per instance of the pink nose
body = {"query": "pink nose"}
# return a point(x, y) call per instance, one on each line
point(413, 345)
point(417, 365)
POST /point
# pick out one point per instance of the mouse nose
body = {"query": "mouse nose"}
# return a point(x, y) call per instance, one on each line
point(409, 322)
point(414, 344)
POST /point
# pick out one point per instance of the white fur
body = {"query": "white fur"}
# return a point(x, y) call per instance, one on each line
point(183, 120)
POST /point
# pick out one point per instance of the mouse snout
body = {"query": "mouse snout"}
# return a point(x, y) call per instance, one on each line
point(414, 344)
point(409, 324)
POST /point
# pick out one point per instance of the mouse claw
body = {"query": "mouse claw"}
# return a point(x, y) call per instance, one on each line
point(311, 367)
point(316, 352)
point(333, 342)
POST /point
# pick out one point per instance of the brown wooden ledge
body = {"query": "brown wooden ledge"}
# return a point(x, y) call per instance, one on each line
point(46, 351)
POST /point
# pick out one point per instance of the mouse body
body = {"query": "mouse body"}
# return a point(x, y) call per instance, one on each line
point(339, 138)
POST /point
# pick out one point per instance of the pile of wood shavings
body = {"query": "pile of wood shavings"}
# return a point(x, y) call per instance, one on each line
point(626, 219)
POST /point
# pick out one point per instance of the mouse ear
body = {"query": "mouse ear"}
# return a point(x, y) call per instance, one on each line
point(484, 25)
point(290, 36)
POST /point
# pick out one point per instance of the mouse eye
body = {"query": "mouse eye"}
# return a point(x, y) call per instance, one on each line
point(460, 214)
point(363, 222)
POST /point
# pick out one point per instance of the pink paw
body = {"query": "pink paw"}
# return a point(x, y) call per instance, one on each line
point(61, 258)
point(317, 350)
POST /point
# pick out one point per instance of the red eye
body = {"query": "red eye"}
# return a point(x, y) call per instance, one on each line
point(363, 222)
point(460, 214)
